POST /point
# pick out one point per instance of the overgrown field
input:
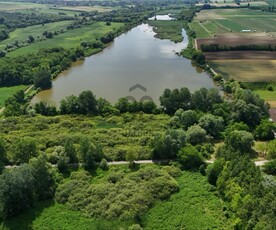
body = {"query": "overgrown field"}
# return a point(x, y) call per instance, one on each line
point(195, 206)
point(6, 92)
point(116, 135)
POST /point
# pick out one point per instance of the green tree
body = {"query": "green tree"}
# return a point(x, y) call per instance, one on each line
point(265, 131)
point(241, 141)
point(189, 157)
point(271, 149)
point(23, 150)
point(70, 105)
point(16, 191)
point(87, 103)
point(43, 79)
point(2, 155)
point(43, 178)
point(196, 135)
point(186, 118)
point(212, 124)
point(70, 151)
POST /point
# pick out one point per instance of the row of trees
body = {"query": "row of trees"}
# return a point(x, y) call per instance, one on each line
point(218, 47)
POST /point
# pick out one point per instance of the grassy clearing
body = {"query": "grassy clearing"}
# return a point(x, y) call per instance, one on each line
point(268, 96)
point(12, 6)
point(6, 92)
point(194, 207)
point(246, 70)
point(168, 29)
point(70, 39)
point(50, 215)
point(36, 31)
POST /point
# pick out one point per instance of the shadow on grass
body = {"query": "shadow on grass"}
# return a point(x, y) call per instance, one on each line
point(25, 220)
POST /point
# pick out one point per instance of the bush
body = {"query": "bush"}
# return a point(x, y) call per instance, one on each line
point(270, 167)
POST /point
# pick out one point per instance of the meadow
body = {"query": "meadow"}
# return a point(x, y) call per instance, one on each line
point(6, 92)
point(22, 34)
point(268, 96)
point(70, 39)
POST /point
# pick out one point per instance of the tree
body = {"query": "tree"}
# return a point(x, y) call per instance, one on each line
point(172, 100)
point(23, 150)
point(270, 167)
point(166, 146)
point(2, 155)
point(241, 141)
point(70, 151)
point(16, 191)
point(131, 156)
point(123, 105)
point(87, 103)
point(31, 38)
point(214, 170)
point(186, 118)
point(271, 149)
point(89, 153)
point(43, 178)
point(212, 124)
point(189, 157)
point(43, 79)
point(103, 164)
point(70, 105)
point(265, 131)
point(200, 99)
point(196, 135)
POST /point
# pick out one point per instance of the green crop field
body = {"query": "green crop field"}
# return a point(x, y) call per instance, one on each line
point(70, 39)
point(193, 207)
point(6, 92)
point(37, 30)
point(233, 20)
point(12, 6)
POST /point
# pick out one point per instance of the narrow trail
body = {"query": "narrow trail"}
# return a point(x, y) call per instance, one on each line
point(257, 163)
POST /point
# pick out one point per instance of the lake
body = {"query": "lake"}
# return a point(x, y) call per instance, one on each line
point(135, 58)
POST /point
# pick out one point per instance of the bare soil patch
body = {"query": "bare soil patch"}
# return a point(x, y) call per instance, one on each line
point(254, 55)
point(237, 39)
point(273, 114)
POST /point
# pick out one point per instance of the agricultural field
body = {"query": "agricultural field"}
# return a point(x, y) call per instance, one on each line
point(219, 21)
point(234, 28)
point(245, 70)
point(84, 8)
point(22, 34)
point(7, 92)
point(71, 38)
point(17, 6)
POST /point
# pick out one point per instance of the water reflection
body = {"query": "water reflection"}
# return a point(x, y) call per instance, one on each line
point(135, 57)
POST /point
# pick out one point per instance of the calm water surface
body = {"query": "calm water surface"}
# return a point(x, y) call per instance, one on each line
point(135, 57)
